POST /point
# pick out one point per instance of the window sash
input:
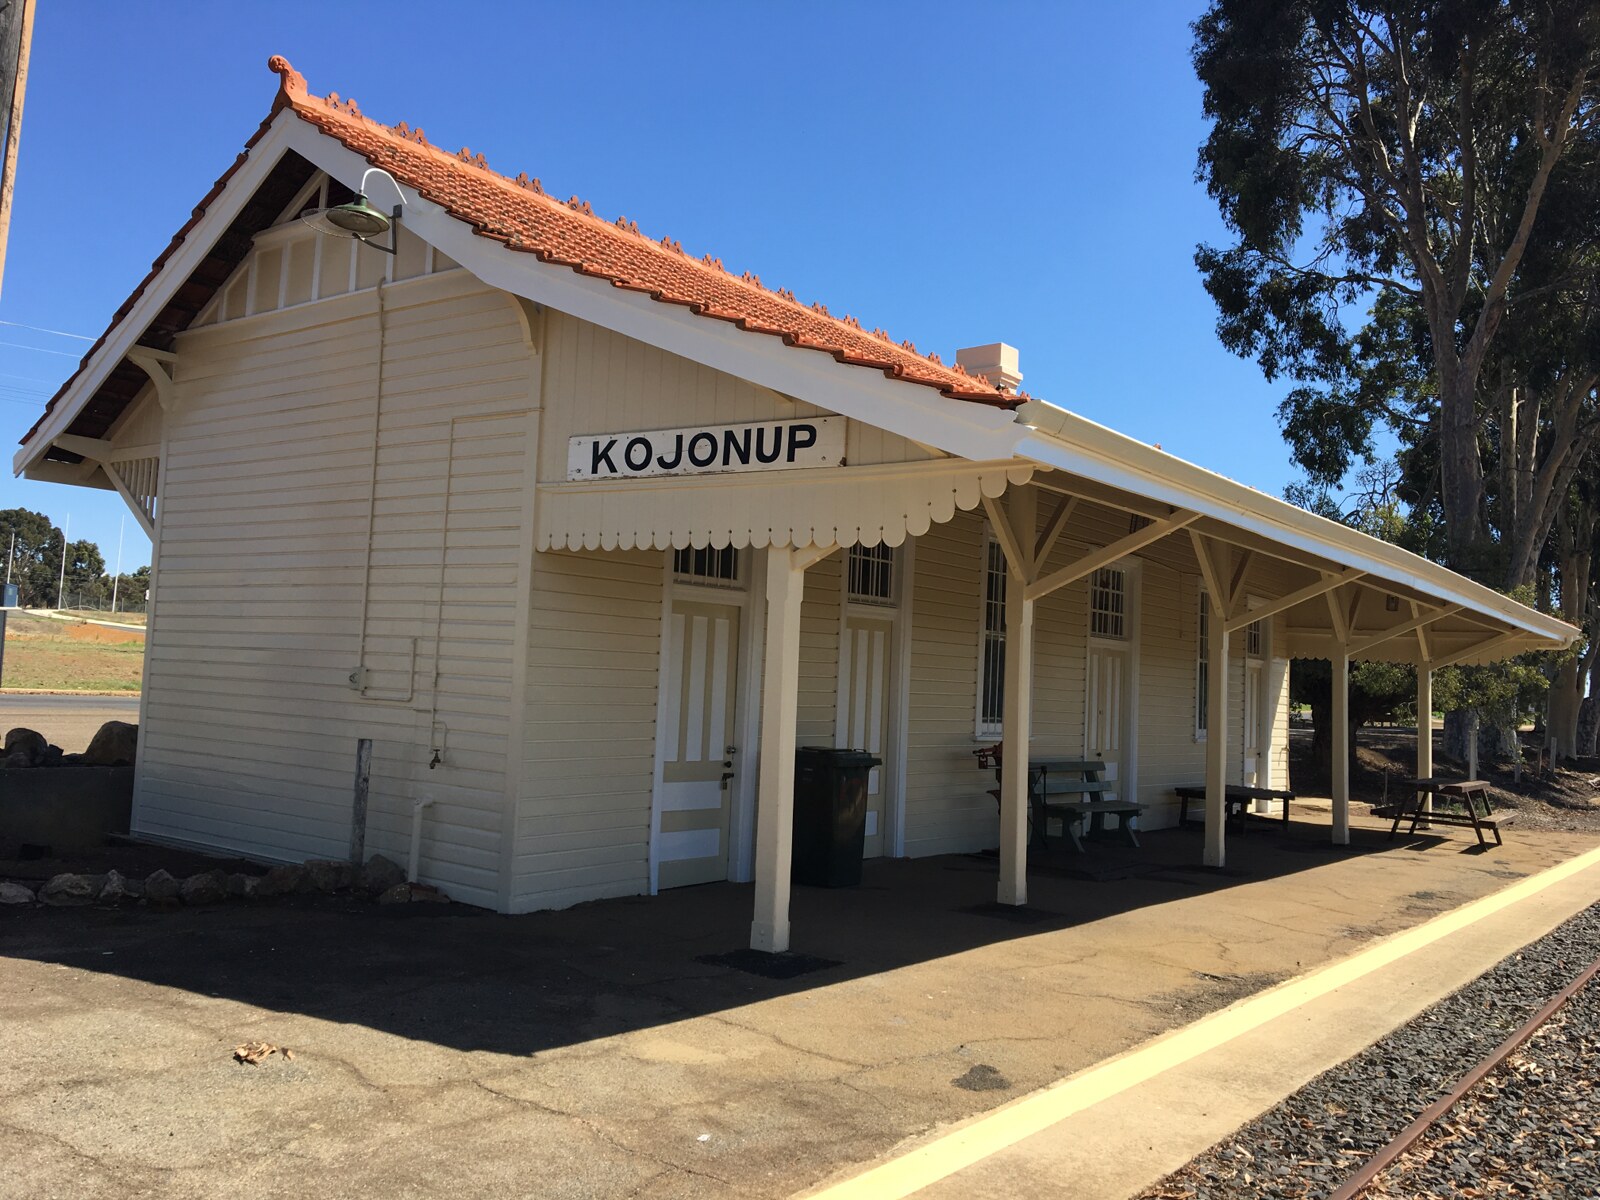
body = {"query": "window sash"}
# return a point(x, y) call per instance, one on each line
point(870, 575)
point(1108, 604)
point(992, 648)
point(707, 567)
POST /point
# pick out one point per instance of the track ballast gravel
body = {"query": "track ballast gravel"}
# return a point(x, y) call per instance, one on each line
point(1306, 1146)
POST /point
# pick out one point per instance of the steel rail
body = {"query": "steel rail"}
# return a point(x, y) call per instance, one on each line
point(1413, 1132)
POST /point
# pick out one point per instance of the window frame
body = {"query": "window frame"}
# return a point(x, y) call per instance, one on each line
point(991, 639)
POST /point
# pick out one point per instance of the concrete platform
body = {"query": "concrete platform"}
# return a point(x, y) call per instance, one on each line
point(597, 1052)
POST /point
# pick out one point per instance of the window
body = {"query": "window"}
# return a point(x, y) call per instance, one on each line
point(1202, 669)
point(1108, 596)
point(869, 577)
point(992, 649)
point(1252, 639)
point(718, 568)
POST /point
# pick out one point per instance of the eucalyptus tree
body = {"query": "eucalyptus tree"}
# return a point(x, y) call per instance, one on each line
point(1410, 189)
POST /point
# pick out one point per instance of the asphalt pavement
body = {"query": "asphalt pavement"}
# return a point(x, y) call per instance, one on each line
point(67, 721)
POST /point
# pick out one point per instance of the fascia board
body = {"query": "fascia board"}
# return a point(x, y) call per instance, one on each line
point(1082, 447)
point(259, 162)
point(912, 410)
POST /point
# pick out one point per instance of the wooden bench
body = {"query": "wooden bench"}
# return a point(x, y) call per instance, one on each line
point(1078, 803)
point(1070, 790)
point(1471, 792)
point(1236, 799)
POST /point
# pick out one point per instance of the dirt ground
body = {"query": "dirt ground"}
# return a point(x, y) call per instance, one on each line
point(623, 1048)
point(1569, 799)
point(45, 653)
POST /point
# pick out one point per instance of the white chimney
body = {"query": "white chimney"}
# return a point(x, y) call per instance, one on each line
point(997, 360)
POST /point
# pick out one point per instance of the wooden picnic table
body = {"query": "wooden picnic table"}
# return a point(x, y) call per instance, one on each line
point(1071, 790)
point(1471, 792)
point(1235, 799)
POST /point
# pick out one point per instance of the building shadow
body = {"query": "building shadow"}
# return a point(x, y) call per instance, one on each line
point(470, 980)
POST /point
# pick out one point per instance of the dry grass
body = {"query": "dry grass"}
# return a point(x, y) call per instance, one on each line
point(43, 654)
point(95, 614)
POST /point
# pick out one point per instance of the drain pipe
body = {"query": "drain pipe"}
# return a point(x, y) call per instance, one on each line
point(416, 837)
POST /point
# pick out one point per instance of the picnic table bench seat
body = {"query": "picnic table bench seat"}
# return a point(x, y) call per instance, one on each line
point(1236, 800)
point(1471, 792)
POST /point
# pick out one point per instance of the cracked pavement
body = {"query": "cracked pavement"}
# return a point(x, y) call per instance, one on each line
point(442, 1050)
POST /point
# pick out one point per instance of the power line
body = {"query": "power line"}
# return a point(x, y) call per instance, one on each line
point(39, 329)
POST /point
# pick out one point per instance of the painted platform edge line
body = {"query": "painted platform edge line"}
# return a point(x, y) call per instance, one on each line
point(989, 1133)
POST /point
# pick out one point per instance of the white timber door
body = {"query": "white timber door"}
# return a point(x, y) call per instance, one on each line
point(1109, 669)
point(865, 677)
point(697, 722)
point(869, 678)
point(1253, 720)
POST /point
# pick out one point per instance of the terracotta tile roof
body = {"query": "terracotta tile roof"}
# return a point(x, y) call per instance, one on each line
point(519, 214)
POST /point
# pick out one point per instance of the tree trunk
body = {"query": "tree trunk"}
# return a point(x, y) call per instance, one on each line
point(1496, 743)
point(1461, 473)
point(1589, 715)
point(1321, 740)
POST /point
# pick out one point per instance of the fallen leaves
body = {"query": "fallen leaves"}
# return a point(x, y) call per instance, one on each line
point(253, 1053)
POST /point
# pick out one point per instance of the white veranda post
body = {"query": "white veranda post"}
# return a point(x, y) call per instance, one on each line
point(1341, 748)
point(1425, 727)
point(1216, 562)
point(1216, 849)
point(1018, 542)
point(780, 681)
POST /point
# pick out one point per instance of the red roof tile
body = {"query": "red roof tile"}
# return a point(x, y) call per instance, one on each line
point(519, 214)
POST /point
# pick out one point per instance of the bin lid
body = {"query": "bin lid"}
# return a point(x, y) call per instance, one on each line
point(842, 756)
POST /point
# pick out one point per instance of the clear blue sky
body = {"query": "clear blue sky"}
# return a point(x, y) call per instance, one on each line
point(956, 173)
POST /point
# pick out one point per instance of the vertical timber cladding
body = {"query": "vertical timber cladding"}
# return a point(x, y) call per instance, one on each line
point(251, 722)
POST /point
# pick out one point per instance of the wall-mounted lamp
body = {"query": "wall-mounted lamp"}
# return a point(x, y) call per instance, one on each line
point(1391, 603)
point(360, 219)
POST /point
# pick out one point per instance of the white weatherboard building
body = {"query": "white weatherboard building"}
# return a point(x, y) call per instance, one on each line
point(584, 535)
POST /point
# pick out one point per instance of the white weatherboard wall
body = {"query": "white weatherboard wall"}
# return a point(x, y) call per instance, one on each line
point(594, 621)
point(273, 457)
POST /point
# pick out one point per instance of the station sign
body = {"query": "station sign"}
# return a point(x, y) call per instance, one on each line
point(708, 449)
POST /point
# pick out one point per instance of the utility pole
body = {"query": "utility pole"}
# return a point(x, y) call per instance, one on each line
point(16, 40)
point(117, 578)
point(61, 586)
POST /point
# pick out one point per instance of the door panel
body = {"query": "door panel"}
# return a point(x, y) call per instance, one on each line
point(1255, 683)
point(1107, 708)
point(697, 727)
point(865, 674)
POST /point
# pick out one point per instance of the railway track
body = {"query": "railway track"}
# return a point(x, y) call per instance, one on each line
point(1390, 1165)
point(1401, 1120)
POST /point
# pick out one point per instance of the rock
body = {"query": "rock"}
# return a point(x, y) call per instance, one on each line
point(243, 887)
point(25, 747)
point(51, 757)
point(328, 875)
point(281, 881)
point(115, 744)
point(380, 874)
point(162, 888)
point(208, 887)
point(15, 893)
point(115, 889)
point(400, 893)
point(65, 890)
point(427, 892)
